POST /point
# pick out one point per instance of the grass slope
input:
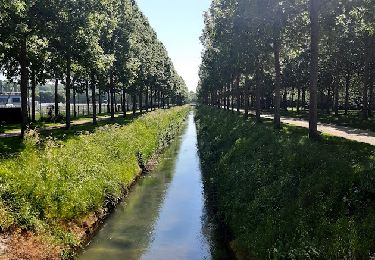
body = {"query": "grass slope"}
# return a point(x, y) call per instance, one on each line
point(53, 183)
point(284, 196)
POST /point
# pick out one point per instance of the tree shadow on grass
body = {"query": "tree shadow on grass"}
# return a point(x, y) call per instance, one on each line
point(11, 146)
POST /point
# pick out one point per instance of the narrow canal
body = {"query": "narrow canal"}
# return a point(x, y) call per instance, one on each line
point(164, 216)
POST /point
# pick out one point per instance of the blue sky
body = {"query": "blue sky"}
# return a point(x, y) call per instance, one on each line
point(179, 24)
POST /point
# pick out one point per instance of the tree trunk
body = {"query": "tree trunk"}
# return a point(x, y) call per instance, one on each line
point(24, 82)
point(93, 96)
point(367, 82)
point(313, 112)
point(303, 99)
point(277, 122)
point(33, 95)
point(238, 93)
point(67, 92)
point(258, 92)
point(74, 103)
point(146, 98)
point(140, 101)
point(108, 102)
point(329, 98)
point(299, 99)
point(134, 97)
point(371, 103)
point(247, 103)
point(56, 97)
point(124, 101)
point(336, 95)
point(112, 90)
point(100, 101)
point(87, 97)
point(347, 86)
point(127, 103)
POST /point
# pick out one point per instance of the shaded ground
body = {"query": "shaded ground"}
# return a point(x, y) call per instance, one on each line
point(11, 143)
point(353, 134)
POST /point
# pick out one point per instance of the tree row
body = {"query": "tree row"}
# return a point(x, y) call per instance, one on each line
point(106, 47)
point(309, 54)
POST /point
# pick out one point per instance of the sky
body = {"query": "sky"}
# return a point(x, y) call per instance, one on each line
point(179, 24)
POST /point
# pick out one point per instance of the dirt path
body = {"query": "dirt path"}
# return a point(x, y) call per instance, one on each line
point(349, 133)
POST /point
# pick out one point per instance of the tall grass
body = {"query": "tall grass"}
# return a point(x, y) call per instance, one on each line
point(51, 182)
point(284, 196)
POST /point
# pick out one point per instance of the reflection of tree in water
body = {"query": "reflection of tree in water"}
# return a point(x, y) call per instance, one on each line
point(216, 234)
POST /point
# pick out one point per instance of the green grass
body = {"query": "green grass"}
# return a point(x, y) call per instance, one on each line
point(13, 145)
point(51, 182)
point(15, 128)
point(284, 196)
point(353, 119)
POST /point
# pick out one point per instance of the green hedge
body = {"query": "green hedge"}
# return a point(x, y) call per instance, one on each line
point(284, 196)
point(51, 181)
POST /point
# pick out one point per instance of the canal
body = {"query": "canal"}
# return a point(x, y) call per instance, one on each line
point(164, 216)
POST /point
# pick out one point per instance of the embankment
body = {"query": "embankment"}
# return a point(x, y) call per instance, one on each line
point(284, 196)
point(53, 194)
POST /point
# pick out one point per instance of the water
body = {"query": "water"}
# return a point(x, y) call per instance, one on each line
point(164, 216)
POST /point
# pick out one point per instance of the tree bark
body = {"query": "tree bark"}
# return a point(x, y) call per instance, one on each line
point(299, 99)
point(336, 95)
point(74, 103)
point(67, 92)
point(347, 87)
point(366, 81)
point(33, 95)
point(146, 99)
point(112, 90)
point(24, 82)
point(371, 102)
point(124, 101)
point(313, 112)
point(247, 103)
point(134, 97)
point(100, 101)
point(140, 101)
point(93, 96)
point(56, 97)
point(258, 92)
point(277, 122)
point(87, 97)
point(238, 93)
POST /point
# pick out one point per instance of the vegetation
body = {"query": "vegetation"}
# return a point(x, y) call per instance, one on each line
point(106, 48)
point(51, 183)
point(270, 54)
point(352, 119)
point(284, 196)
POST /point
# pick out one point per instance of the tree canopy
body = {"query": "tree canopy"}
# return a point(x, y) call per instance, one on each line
point(108, 44)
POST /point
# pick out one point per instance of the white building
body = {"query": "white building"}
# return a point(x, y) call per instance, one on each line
point(10, 99)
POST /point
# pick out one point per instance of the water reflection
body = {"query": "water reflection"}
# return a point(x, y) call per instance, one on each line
point(164, 216)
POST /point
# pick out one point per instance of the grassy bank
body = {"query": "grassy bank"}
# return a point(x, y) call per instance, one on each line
point(283, 196)
point(57, 189)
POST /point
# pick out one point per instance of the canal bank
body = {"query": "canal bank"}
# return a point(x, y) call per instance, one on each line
point(164, 216)
point(56, 192)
